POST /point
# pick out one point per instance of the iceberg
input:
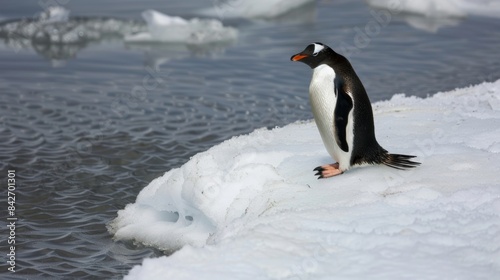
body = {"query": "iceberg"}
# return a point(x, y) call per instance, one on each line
point(428, 8)
point(266, 9)
point(54, 14)
point(55, 27)
point(57, 36)
point(431, 15)
point(440, 8)
point(251, 207)
point(169, 29)
point(487, 8)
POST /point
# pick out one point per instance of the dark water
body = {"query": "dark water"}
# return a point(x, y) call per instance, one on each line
point(87, 126)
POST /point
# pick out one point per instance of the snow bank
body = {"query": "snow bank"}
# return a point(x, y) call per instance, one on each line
point(164, 28)
point(252, 8)
point(250, 208)
point(440, 8)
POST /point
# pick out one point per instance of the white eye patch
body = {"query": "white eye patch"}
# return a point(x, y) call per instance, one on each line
point(317, 48)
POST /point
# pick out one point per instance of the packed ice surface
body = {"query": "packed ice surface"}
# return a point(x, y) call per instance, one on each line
point(251, 207)
point(441, 8)
point(164, 28)
point(252, 8)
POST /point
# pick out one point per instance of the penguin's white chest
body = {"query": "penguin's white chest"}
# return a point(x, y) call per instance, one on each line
point(323, 101)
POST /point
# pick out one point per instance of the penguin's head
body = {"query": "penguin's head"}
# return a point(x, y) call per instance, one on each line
point(313, 55)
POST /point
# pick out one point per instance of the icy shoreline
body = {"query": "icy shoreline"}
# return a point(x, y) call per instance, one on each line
point(250, 208)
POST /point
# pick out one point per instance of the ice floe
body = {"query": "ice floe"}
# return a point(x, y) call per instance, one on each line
point(251, 207)
point(440, 8)
point(164, 28)
point(431, 15)
point(252, 9)
point(54, 26)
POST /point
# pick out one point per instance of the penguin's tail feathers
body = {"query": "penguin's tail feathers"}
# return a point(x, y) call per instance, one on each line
point(400, 161)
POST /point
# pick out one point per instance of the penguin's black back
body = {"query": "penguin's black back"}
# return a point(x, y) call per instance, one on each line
point(365, 146)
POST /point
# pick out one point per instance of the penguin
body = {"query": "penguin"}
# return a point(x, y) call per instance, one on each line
point(343, 114)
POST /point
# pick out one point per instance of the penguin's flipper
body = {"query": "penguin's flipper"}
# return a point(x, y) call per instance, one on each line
point(329, 170)
point(341, 114)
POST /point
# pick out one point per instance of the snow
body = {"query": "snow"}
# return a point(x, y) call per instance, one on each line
point(251, 207)
point(440, 8)
point(164, 28)
point(252, 8)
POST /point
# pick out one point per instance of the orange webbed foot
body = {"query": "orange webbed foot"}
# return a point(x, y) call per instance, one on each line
point(327, 171)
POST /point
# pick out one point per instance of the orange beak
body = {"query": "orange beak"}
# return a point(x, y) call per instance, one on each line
point(299, 56)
